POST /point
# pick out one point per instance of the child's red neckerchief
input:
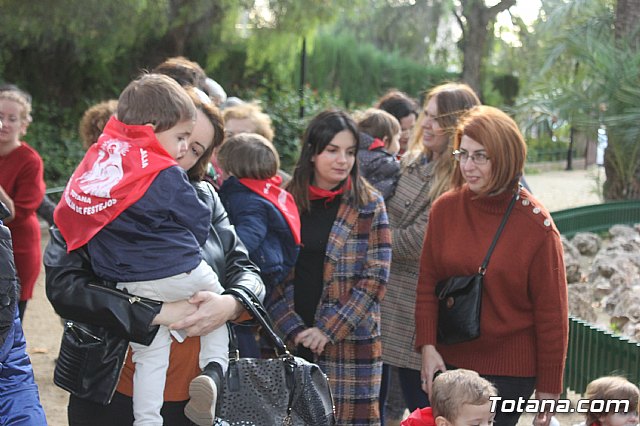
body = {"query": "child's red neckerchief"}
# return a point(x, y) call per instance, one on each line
point(281, 199)
point(115, 172)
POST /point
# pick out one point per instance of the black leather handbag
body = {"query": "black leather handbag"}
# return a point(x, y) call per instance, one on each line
point(460, 298)
point(90, 362)
point(284, 390)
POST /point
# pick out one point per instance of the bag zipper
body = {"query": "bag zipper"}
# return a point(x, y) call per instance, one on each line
point(130, 297)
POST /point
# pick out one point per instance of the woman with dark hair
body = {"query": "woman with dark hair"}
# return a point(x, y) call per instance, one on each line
point(328, 309)
point(73, 294)
point(523, 324)
point(405, 109)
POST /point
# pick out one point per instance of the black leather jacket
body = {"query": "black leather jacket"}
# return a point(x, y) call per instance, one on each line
point(75, 294)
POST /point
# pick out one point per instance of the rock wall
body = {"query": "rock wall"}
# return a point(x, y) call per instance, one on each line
point(604, 278)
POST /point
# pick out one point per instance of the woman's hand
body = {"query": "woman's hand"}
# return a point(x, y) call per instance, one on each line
point(312, 338)
point(431, 363)
point(544, 418)
point(212, 311)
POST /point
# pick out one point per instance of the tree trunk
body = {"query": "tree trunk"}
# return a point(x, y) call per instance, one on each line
point(627, 19)
point(474, 22)
point(616, 187)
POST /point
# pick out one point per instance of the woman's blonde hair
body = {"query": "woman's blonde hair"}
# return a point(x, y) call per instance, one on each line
point(610, 388)
point(249, 155)
point(93, 121)
point(452, 101)
point(252, 112)
point(503, 142)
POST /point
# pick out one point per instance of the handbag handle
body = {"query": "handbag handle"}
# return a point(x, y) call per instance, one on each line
point(485, 263)
point(257, 310)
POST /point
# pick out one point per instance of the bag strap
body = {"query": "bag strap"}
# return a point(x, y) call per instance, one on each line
point(257, 310)
point(485, 263)
point(253, 305)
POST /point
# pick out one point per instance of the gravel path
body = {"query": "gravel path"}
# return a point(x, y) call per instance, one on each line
point(559, 190)
point(555, 189)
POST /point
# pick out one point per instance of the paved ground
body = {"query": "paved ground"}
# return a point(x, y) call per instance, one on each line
point(555, 189)
point(559, 190)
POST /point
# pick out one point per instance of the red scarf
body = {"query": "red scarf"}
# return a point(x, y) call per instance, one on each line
point(329, 195)
point(114, 173)
point(420, 417)
point(377, 143)
point(281, 199)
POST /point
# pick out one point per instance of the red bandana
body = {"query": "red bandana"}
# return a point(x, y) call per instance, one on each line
point(377, 143)
point(270, 190)
point(114, 173)
point(316, 193)
point(420, 417)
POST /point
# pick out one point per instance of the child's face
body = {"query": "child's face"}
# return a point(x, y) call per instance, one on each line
point(13, 126)
point(394, 145)
point(620, 419)
point(175, 139)
point(474, 415)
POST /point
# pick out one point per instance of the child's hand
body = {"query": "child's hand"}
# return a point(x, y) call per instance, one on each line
point(312, 338)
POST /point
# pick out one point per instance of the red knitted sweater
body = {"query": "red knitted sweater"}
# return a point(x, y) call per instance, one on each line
point(524, 319)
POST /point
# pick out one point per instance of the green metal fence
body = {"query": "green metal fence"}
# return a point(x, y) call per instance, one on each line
point(597, 217)
point(594, 352)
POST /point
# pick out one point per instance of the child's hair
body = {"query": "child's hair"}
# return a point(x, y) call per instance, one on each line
point(184, 71)
point(155, 99)
point(249, 155)
point(93, 121)
point(379, 124)
point(21, 98)
point(454, 388)
point(611, 387)
point(252, 112)
point(398, 104)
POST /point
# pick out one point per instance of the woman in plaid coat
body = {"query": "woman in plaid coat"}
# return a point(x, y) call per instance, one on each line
point(426, 170)
point(328, 309)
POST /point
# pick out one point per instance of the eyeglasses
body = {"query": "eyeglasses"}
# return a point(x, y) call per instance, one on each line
point(479, 158)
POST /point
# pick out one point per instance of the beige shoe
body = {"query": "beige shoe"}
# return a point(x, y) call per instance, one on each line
point(203, 395)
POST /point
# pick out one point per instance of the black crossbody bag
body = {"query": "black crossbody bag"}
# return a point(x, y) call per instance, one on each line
point(460, 298)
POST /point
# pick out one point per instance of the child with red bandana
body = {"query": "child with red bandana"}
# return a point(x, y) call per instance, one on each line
point(265, 216)
point(379, 146)
point(459, 398)
point(143, 224)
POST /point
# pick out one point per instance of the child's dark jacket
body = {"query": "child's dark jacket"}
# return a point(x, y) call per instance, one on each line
point(377, 166)
point(263, 230)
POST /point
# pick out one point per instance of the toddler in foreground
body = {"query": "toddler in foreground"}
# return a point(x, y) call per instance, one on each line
point(458, 398)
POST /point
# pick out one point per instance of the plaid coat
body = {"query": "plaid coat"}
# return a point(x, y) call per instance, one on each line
point(408, 214)
point(356, 270)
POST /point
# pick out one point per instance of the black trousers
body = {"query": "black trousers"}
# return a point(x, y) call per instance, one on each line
point(511, 388)
point(119, 412)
